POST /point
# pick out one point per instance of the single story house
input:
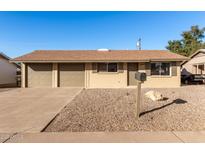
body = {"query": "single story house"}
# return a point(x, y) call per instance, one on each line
point(7, 71)
point(101, 68)
point(196, 63)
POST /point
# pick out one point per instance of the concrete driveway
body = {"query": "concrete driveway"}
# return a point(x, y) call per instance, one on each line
point(31, 109)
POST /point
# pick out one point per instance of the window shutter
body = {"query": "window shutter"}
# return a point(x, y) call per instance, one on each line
point(94, 67)
point(174, 68)
point(147, 69)
point(120, 68)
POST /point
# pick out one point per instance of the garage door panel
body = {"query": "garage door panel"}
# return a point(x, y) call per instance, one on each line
point(71, 75)
point(39, 75)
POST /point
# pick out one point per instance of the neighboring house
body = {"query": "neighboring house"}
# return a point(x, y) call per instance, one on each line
point(101, 68)
point(7, 71)
point(196, 63)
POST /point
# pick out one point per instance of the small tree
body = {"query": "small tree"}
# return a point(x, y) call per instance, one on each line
point(191, 41)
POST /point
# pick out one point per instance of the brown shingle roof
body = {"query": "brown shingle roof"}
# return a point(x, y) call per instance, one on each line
point(95, 55)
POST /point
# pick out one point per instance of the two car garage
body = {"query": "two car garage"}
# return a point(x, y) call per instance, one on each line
point(68, 75)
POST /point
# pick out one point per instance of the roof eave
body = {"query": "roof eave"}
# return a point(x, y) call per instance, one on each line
point(89, 61)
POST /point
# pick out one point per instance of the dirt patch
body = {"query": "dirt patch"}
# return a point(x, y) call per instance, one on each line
point(114, 110)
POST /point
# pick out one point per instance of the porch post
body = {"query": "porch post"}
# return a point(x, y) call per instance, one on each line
point(204, 69)
point(197, 69)
point(23, 75)
point(55, 75)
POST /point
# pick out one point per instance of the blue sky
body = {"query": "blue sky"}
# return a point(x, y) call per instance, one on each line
point(23, 32)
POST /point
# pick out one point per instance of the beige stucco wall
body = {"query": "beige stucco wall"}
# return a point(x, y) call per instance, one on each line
point(105, 80)
point(161, 81)
point(7, 72)
point(119, 80)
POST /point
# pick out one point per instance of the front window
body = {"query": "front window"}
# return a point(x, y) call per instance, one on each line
point(160, 68)
point(107, 67)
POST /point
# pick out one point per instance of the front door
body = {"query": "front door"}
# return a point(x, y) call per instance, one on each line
point(132, 69)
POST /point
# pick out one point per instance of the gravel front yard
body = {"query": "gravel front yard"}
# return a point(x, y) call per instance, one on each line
point(114, 110)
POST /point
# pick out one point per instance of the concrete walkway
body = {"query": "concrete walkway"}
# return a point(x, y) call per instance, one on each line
point(31, 109)
point(105, 137)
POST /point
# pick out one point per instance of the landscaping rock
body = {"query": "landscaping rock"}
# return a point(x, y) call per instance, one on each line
point(112, 110)
point(154, 95)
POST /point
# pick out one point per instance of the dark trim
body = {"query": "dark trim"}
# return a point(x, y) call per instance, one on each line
point(8, 85)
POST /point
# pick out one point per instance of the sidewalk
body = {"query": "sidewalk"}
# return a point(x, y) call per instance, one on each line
point(105, 137)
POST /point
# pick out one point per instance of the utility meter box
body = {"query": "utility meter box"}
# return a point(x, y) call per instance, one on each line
point(140, 76)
